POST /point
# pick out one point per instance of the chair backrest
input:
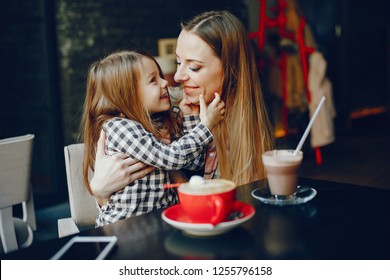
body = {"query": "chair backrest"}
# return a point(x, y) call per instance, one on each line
point(15, 188)
point(82, 204)
point(15, 166)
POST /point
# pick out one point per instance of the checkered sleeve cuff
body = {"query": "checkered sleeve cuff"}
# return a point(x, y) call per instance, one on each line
point(189, 122)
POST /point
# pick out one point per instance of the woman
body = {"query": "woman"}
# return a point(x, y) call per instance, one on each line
point(214, 54)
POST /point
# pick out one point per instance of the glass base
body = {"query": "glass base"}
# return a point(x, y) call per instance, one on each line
point(302, 195)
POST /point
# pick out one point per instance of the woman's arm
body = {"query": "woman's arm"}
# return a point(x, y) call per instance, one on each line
point(112, 173)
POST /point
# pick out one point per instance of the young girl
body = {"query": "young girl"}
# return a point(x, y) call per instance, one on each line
point(127, 97)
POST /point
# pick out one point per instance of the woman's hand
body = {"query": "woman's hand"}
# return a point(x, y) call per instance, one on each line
point(112, 173)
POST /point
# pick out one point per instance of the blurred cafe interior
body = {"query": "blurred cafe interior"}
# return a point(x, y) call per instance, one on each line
point(340, 48)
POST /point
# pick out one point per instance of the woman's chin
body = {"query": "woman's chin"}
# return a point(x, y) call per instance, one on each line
point(194, 101)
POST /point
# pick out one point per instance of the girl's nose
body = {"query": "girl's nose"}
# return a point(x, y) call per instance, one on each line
point(164, 83)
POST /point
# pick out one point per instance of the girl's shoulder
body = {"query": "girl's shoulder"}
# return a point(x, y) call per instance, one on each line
point(118, 122)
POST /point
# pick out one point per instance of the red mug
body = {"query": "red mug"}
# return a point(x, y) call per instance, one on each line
point(208, 201)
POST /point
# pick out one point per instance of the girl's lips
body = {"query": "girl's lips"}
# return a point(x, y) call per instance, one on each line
point(165, 95)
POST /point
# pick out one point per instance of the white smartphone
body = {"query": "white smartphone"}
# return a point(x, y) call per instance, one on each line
point(86, 248)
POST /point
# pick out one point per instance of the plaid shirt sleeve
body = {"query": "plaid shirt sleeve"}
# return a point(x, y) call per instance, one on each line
point(189, 122)
point(131, 138)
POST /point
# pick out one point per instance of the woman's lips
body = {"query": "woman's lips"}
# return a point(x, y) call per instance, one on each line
point(190, 90)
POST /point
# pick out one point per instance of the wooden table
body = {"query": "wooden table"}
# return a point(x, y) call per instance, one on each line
point(343, 221)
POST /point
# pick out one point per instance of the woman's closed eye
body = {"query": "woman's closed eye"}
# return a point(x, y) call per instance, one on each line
point(192, 68)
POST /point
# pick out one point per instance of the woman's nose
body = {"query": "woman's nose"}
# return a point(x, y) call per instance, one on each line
point(180, 76)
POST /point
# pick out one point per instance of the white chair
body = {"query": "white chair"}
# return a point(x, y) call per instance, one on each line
point(82, 204)
point(15, 189)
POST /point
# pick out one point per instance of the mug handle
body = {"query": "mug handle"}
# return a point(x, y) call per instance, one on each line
point(219, 205)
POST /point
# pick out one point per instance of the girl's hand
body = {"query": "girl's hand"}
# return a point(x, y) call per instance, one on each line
point(113, 173)
point(213, 114)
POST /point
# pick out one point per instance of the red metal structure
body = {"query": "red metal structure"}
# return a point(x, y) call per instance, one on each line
point(279, 22)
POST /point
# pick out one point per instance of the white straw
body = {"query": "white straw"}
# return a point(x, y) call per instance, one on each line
point(299, 147)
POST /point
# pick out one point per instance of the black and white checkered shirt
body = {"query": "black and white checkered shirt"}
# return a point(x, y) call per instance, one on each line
point(147, 194)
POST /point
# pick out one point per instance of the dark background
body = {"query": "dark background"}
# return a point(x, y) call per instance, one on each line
point(47, 46)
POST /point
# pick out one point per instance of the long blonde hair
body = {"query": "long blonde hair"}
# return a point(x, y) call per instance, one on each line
point(113, 90)
point(246, 131)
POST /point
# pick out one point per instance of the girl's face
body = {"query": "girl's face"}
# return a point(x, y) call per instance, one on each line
point(199, 70)
point(153, 88)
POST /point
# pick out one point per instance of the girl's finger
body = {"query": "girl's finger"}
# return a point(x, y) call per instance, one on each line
point(221, 105)
point(216, 100)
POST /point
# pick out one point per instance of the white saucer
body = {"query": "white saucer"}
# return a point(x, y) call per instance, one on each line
point(302, 195)
point(176, 218)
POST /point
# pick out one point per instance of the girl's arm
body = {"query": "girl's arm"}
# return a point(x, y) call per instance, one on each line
point(210, 115)
point(189, 122)
point(129, 137)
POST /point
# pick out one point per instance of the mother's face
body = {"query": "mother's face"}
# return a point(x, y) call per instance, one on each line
point(199, 70)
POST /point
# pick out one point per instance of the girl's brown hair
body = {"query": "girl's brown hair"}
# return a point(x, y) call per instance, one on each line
point(113, 90)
